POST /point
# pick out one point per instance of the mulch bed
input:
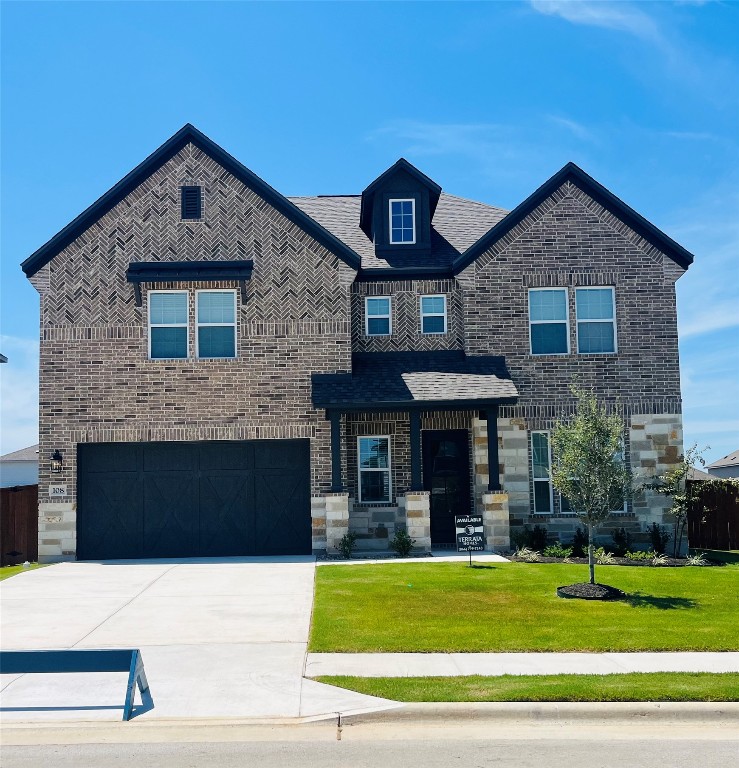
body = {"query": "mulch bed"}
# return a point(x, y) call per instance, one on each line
point(671, 562)
point(586, 591)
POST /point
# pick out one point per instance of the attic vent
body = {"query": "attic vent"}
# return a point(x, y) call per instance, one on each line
point(192, 202)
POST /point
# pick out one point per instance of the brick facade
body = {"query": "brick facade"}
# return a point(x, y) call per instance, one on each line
point(303, 313)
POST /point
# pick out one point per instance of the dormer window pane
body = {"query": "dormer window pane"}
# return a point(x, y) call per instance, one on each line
point(403, 221)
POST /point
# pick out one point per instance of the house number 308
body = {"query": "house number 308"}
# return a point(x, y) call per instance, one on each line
point(57, 490)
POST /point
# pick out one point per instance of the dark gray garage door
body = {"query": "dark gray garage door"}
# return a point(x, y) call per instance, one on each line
point(205, 499)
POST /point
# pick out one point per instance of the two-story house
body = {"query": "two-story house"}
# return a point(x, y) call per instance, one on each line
point(226, 371)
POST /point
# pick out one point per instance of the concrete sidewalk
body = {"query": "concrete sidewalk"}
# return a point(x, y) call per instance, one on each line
point(454, 664)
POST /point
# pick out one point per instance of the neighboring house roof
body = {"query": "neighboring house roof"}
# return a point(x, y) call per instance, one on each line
point(24, 454)
point(730, 460)
point(187, 134)
point(405, 380)
point(699, 474)
point(457, 224)
point(3, 359)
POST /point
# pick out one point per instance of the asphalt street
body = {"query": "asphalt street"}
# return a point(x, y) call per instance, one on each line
point(570, 746)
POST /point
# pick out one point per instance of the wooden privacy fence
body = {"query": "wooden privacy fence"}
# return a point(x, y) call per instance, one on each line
point(18, 524)
point(713, 522)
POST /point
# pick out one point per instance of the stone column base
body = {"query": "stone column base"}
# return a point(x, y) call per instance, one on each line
point(418, 519)
point(495, 520)
point(337, 519)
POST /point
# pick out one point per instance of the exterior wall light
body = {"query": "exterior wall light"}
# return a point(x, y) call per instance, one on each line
point(56, 461)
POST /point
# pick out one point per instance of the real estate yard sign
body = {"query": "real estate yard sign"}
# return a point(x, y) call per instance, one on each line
point(470, 536)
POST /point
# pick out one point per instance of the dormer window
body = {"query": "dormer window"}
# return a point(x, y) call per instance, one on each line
point(402, 222)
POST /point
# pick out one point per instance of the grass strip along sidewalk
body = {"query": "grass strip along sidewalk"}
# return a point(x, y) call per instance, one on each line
point(652, 686)
point(503, 607)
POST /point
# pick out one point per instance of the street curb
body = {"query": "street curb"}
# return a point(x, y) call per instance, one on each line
point(562, 712)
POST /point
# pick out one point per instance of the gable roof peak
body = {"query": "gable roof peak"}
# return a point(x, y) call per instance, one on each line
point(184, 136)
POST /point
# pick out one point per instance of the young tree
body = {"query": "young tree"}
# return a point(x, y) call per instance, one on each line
point(587, 464)
point(674, 483)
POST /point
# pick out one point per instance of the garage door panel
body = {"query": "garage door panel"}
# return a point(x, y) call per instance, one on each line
point(170, 515)
point(224, 456)
point(226, 521)
point(109, 524)
point(280, 497)
point(184, 499)
point(170, 457)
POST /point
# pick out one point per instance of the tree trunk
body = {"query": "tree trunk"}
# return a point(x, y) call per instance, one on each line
point(591, 556)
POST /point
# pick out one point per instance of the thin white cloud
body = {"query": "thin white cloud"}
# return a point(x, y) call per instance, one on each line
point(18, 393)
point(619, 16)
point(576, 129)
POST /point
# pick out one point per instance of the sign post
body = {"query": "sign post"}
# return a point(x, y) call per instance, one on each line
point(470, 534)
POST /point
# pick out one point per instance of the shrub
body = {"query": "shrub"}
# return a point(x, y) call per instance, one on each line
point(557, 550)
point(580, 543)
point(621, 542)
point(402, 543)
point(528, 555)
point(525, 537)
point(604, 558)
point(347, 544)
point(640, 555)
point(659, 537)
point(696, 560)
point(659, 559)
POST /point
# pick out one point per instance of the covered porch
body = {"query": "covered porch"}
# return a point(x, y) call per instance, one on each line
point(413, 438)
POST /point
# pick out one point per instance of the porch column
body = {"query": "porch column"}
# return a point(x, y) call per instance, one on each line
point(416, 480)
point(493, 462)
point(335, 417)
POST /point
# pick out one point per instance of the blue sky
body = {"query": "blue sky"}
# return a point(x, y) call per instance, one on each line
point(489, 99)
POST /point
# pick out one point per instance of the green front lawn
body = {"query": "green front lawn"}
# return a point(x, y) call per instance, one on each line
point(10, 570)
point(514, 607)
point(683, 686)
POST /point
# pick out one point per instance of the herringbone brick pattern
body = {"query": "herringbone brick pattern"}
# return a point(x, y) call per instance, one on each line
point(406, 316)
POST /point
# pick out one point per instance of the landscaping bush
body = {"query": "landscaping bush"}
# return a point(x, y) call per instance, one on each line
point(347, 544)
point(525, 537)
point(580, 543)
point(621, 542)
point(604, 558)
point(557, 550)
point(528, 555)
point(402, 543)
point(659, 537)
point(640, 555)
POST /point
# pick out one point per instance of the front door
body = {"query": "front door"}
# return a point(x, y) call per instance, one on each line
point(446, 475)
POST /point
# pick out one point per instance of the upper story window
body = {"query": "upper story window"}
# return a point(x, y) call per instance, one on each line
point(377, 319)
point(168, 326)
point(216, 323)
point(596, 320)
point(548, 321)
point(374, 469)
point(433, 314)
point(191, 202)
point(402, 222)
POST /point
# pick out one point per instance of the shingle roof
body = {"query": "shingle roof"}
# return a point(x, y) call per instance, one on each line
point(24, 454)
point(699, 474)
point(457, 224)
point(413, 379)
point(730, 460)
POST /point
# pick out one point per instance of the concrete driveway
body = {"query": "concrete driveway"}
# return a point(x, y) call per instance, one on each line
point(219, 638)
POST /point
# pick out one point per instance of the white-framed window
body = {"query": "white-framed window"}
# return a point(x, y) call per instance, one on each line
point(595, 309)
point(433, 314)
point(541, 464)
point(168, 324)
point(549, 325)
point(402, 214)
point(377, 316)
point(373, 459)
point(215, 319)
